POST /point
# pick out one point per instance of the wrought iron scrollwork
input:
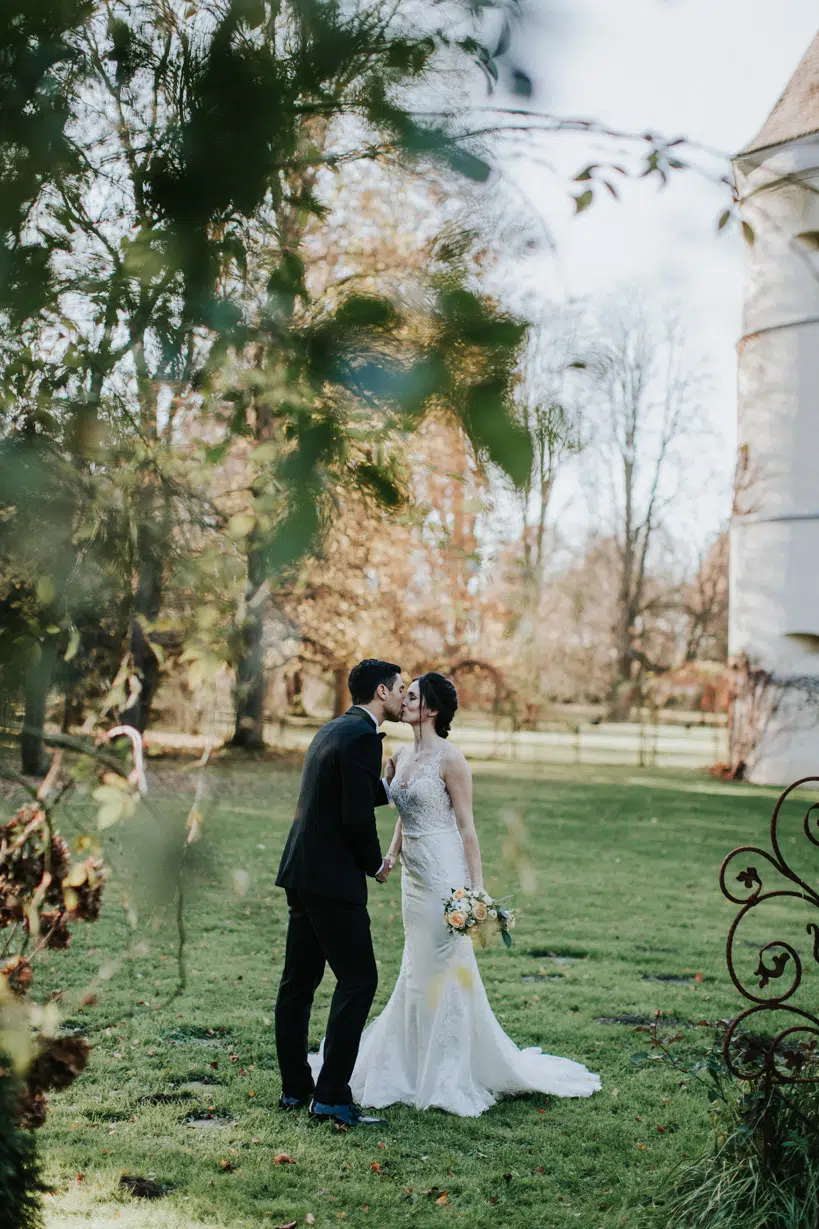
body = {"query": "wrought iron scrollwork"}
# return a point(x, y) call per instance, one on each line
point(786, 1058)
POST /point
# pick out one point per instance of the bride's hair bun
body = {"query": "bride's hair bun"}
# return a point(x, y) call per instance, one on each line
point(438, 695)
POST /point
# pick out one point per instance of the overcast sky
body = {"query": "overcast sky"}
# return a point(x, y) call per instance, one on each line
point(710, 70)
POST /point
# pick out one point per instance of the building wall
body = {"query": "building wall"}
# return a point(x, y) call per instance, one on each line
point(774, 593)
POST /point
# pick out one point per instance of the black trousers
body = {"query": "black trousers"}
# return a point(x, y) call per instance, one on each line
point(320, 932)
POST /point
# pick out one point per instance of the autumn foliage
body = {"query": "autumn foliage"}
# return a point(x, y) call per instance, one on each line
point(43, 892)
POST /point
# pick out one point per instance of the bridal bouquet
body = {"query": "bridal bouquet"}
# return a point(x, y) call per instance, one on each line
point(473, 912)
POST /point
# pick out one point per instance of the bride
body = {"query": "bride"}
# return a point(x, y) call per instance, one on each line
point(437, 1042)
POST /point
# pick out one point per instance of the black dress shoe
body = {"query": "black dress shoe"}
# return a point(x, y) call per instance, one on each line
point(293, 1103)
point(344, 1115)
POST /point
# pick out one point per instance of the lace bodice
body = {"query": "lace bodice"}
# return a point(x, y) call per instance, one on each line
point(421, 796)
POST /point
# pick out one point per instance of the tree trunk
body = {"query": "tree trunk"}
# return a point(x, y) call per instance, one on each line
point(248, 732)
point(73, 710)
point(295, 693)
point(33, 759)
point(340, 693)
point(153, 532)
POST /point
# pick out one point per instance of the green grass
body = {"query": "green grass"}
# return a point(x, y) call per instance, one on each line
point(626, 882)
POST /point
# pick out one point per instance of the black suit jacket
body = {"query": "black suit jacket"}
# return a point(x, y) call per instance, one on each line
point(333, 842)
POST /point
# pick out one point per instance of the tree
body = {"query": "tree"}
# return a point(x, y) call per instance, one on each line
point(549, 408)
point(142, 213)
point(705, 604)
point(644, 412)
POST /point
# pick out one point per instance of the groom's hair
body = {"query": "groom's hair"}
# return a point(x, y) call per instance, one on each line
point(367, 677)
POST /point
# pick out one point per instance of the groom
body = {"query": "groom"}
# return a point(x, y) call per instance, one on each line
point(332, 846)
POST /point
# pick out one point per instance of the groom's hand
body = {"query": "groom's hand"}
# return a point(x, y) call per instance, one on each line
point(384, 873)
point(389, 770)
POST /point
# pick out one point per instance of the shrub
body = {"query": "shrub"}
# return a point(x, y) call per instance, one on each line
point(760, 1167)
point(20, 1181)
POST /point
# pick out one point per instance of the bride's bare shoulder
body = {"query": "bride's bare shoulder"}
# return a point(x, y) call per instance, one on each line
point(454, 759)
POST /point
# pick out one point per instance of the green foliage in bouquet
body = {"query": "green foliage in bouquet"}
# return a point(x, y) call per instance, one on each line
point(475, 913)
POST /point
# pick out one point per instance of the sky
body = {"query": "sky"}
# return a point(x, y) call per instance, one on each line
point(709, 70)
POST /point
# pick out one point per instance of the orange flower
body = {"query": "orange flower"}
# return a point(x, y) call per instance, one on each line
point(457, 919)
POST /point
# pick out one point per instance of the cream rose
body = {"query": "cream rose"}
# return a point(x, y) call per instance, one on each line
point(457, 919)
point(510, 922)
point(480, 911)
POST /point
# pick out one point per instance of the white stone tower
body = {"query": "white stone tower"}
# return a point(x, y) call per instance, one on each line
point(774, 594)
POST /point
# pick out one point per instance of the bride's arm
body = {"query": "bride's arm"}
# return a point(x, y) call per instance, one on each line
point(458, 780)
point(395, 845)
point(398, 835)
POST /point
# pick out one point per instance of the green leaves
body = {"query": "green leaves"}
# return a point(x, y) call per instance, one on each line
point(116, 801)
point(252, 12)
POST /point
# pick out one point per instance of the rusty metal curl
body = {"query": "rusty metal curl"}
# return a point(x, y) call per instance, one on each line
point(765, 1057)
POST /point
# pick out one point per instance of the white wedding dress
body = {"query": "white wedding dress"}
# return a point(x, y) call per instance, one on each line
point(437, 1042)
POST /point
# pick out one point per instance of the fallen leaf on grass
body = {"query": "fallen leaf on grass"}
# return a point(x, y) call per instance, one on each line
point(642, 1147)
point(435, 1195)
point(493, 1199)
point(660, 1128)
point(79, 1177)
point(228, 1166)
point(375, 1166)
point(282, 1158)
point(442, 1200)
point(539, 1169)
point(310, 1219)
point(291, 1224)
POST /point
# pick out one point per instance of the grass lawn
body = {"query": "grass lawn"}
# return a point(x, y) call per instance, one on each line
point(626, 891)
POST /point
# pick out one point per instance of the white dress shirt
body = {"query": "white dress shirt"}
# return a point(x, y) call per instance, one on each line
point(374, 720)
point(384, 780)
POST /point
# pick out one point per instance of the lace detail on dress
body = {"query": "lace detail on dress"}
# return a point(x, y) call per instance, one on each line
point(422, 798)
